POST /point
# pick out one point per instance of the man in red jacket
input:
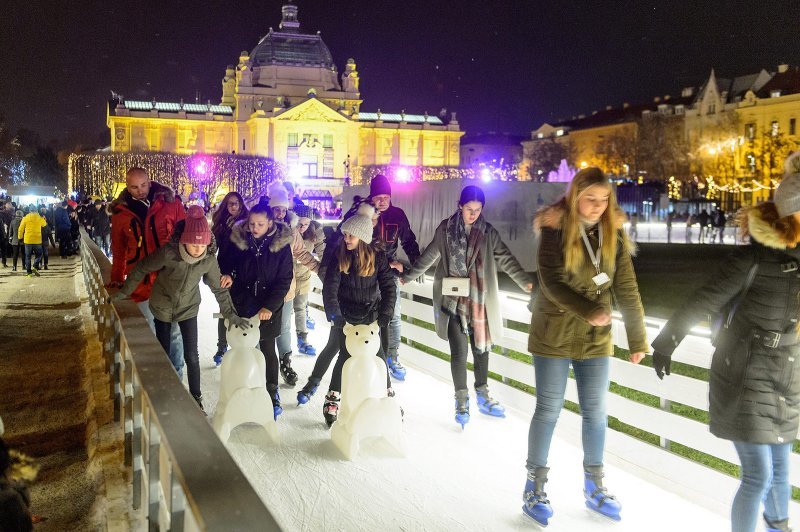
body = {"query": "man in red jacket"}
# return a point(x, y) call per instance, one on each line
point(142, 220)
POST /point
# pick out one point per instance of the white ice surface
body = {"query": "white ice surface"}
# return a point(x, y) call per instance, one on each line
point(451, 480)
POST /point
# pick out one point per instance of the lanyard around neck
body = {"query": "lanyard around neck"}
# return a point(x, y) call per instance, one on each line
point(594, 257)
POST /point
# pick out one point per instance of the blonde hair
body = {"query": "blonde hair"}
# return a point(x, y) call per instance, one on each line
point(574, 250)
point(366, 258)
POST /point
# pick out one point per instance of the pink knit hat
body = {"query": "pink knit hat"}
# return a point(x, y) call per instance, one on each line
point(196, 230)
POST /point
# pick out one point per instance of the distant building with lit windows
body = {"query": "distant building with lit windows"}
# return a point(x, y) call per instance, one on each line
point(285, 100)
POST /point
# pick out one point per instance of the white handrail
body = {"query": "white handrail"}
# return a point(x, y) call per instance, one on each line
point(695, 350)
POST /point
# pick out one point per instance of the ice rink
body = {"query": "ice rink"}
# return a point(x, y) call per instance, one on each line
point(451, 479)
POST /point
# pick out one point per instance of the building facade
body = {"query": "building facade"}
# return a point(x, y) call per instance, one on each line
point(725, 139)
point(286, 101)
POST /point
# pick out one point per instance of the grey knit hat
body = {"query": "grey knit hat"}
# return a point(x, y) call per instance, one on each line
point(787, 195)
point(360, 224)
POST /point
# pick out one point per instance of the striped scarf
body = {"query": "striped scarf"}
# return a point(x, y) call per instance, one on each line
point(466, 260)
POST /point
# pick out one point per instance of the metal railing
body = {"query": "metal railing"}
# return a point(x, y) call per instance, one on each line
point(662, 421)
point(183, 476)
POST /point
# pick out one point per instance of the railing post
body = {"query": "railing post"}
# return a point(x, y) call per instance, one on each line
point(137, 445)
point(153, 465)
point(665, 405)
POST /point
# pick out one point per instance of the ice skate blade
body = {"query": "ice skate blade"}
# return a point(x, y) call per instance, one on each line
point(596, 510)
point(542, 524)
point(488, 412)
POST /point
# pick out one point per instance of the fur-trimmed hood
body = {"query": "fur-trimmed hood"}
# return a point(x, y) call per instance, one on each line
point(752, 224)
point(551, 217)
point(157, 192)
point(283, 235)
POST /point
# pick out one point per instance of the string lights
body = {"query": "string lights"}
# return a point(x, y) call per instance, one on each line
point(99, 173)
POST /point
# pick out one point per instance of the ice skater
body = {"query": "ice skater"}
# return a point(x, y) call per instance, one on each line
point(230, 210)
point(754, 393)
point(258, 270)
point(175, 296)
point(359, 289)
point(584, 259)
point(469, 251)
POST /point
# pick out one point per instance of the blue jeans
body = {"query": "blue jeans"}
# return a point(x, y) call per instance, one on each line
point(393, 340)
point(591, 376)
point(284, 341)
point(765, 478)
point(175, 342)
point(36, 251)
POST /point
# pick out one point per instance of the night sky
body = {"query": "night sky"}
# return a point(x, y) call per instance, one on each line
point(503, 66)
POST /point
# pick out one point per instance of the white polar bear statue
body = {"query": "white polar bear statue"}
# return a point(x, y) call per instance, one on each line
point(243, 396)
point(365, 409)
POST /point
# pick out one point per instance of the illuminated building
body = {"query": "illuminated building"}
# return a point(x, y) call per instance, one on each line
point(286, 101)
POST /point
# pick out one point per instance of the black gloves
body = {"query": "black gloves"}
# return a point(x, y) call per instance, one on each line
point(661, 363)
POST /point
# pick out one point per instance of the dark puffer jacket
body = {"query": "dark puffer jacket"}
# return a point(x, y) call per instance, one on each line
point(261, 270)
point(351, 298)
point(754, 389)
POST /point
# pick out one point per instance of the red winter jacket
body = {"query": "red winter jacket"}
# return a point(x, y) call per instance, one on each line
point(133, 238)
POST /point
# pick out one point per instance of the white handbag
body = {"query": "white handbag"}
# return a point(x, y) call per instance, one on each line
point(455, 286)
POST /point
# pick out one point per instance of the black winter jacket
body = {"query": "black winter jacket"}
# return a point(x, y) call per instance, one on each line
point(393, 229)
point(261, 269)
point(351, 298)
point(754, 388)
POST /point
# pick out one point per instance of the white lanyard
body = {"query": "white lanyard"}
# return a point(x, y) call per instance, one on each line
point(595, 257)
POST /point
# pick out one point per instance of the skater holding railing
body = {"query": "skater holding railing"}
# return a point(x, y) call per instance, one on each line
point(466, 307)
point(754, 381)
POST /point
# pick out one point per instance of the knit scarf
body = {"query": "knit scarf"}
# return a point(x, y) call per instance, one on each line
point(466, 260)
point(188, 258)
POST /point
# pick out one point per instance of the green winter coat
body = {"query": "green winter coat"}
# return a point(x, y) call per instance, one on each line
point(565, 301)
point(495, 254)
point(176, 290)
point(313, 241)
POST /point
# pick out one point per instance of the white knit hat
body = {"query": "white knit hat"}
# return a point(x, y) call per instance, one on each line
point(278, 197)
point(360, 224)
point(787, 195)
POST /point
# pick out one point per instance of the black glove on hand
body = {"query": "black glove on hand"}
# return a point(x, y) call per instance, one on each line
point(661, 363)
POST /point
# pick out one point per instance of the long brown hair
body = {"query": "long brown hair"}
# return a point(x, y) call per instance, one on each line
point(221, 215)
point(365, 257)
point(574, 254)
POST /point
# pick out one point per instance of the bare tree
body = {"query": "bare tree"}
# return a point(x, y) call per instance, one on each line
point(662, 149)
point(544, 156)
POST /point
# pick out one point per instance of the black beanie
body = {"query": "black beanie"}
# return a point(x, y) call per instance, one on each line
point(379, 186)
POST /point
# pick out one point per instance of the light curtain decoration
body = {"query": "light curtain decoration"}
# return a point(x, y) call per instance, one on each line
point(97, 174)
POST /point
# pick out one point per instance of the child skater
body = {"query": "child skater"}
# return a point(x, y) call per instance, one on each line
point(360, 289)
point(176, 291)
point(259, 271)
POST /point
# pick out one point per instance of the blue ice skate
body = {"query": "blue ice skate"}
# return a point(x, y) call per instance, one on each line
point(272, 390)
point(396, 370)
point(462, 407)
point(304, 395)
point(304, 347)
point(218, 358)
point(487, 404)
point(597, 497)
point(536, 506)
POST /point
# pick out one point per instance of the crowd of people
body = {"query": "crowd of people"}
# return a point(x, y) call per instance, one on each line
point(259, 260)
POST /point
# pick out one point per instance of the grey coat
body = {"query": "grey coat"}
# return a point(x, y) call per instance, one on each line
point(14, 228)
point(495, 253)
point(176, 290)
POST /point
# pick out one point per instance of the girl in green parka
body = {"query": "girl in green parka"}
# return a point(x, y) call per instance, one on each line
point(584, 260)
point(176, 291)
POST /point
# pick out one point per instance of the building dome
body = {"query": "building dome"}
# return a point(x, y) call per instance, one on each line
point(288, 46)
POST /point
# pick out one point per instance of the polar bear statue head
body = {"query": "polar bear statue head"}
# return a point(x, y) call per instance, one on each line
point(362, 340)
point(245, 338)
